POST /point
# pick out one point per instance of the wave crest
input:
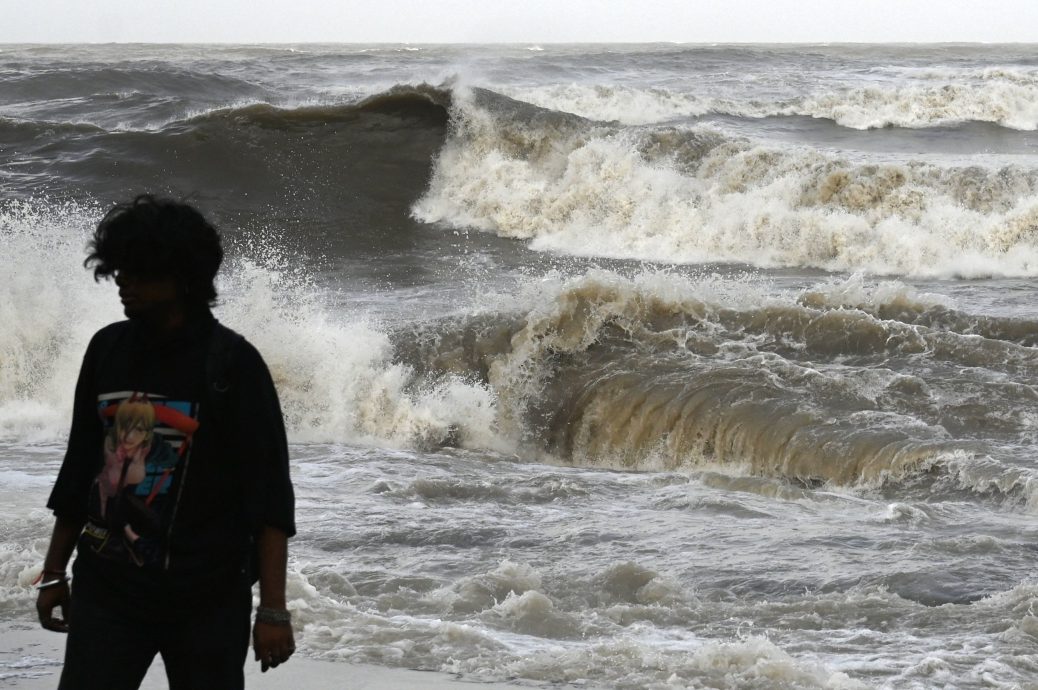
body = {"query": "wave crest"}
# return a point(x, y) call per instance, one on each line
point(659, 372)
point(421, 102)
point(693, 195)
point(1003, 98)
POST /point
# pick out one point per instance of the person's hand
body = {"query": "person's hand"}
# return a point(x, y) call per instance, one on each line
point(273, 643)
point(49, 599)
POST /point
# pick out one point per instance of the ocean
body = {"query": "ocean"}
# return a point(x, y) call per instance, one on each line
point(605, 366)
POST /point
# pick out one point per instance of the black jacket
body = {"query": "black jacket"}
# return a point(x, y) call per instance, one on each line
point(173, 475)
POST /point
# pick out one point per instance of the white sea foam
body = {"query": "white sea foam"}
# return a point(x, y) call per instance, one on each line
point(606, 192)
point(1008, 98)
point(650, 659)
point(1009, 104)
point(49, 307)
point(336, 377)
point(857, 292)
point(627, 104)
point(944, 75)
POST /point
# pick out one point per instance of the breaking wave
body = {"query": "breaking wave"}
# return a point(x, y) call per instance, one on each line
point(567, 184)
point(337, 377)
point(1005, 98)
point(658, 372)
point(691, 195)
point(650, 371)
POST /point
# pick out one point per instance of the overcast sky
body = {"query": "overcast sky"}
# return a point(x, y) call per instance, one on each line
point(530, 21)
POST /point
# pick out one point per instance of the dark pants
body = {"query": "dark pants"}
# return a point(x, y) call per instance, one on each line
point(203, 648)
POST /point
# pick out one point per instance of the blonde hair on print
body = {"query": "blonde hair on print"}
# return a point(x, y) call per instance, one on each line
point(135, 413)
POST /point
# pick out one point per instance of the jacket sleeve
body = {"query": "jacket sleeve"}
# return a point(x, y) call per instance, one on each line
point(260, 427)
point(68, 498)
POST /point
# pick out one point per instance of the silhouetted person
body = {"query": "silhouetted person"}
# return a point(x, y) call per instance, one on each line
point(175, 488)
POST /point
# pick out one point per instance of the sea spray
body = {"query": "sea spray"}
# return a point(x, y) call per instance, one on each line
point(50, 306)
point(336, 377)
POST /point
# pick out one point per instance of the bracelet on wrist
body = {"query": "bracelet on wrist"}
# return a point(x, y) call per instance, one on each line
point(49, 575)
point(54, 582)
point(273, 616)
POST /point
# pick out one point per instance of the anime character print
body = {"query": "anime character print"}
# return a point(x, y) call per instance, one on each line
point(147, 438)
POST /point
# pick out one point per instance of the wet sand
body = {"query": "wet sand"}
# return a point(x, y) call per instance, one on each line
point(30, 659)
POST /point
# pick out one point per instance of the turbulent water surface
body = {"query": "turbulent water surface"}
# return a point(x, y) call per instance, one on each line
point(620, 366)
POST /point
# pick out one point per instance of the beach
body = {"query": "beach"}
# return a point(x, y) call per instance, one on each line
point(603, 366)
point(32, 659)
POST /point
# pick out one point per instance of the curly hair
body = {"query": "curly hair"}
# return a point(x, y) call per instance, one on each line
point(162, 238)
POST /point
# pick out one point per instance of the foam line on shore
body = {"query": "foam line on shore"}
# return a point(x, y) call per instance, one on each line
point(31, 660)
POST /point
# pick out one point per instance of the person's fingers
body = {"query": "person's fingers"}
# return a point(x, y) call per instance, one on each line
point(272, 646)
point(54, 624)
point(46, 602)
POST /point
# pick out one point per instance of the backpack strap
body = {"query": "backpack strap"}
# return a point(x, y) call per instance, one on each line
point(223, 342)
point(220, 381)
point(105, 341)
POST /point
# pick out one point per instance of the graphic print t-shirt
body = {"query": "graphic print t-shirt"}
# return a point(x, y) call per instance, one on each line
point(147, 437)
point(171, 486)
